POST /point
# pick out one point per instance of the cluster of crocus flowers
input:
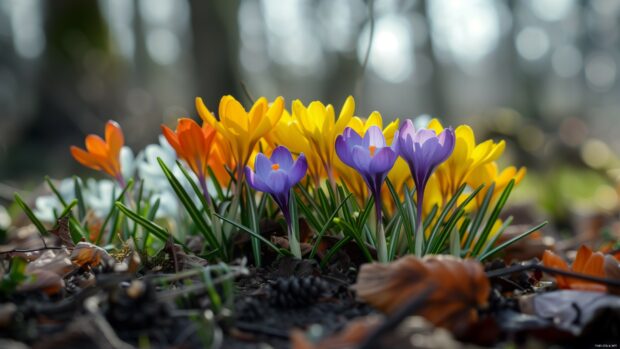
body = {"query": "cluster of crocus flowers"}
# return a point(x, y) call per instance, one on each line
point(103, 155)
point(276, 176)
point(193, 144)
point(437, 160)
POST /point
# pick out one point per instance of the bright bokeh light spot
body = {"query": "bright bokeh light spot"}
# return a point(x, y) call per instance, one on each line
point(291, 38)
point(601, 71)
point(567, 61)
point(532, 43)
point(469, 30)
point(552, 10)
point(27, 27)
point(391, 55)
point(595, 153)
point(163, 46)
point(606, 197)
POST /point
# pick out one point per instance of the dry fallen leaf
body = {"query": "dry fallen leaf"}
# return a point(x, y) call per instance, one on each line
point(42, 280)
point(462, 287)
point(86, 253)
point(586, 262)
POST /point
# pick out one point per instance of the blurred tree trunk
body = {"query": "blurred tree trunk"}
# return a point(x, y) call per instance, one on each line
point(215, 51)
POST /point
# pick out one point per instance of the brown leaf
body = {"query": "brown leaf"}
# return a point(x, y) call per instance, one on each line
point(86, 253)
point(462, 287)
point(44, 281)
point(56, 262)
point(61, 230)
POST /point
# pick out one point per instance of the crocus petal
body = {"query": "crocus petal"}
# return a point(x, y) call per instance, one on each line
point(262, 165)
point(424, 135)
point(374, 137)
point(282, 156)
point(278, 182)
point(343, 151)
point(407, 129)
point(361, 159)
point(114, 137)
point(352, 137)
point(96, 145)
point(298, 170)
point(85, 158)
point(255, 181)
point(383, 161)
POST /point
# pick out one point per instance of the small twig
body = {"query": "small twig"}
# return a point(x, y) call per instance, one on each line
point(16, 250)
point(394, 320)
point(541, 267)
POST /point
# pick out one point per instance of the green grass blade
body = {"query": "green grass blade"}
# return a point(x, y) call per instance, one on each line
point(197, 190)
point(216, 184)
point(497, 235)
point(492, 218)
point(409, 227)
point(319, 237)
point(31, 216)
point(254, 225)
point(337, 246)
point(192, 210)
point(482, 212)
point(77, 188)
point(440, 221)
point(147, 224)
point(511, 241)
point(56, 192)
point(249, 231)
point(113, 213)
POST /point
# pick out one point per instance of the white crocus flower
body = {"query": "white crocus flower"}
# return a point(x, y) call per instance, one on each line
point(5, 219)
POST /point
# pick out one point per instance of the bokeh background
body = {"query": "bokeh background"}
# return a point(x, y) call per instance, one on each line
point(542, 74)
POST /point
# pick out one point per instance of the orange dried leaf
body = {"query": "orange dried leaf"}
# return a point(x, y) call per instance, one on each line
point(552, 260)
point(462, 287)
point(86, 253)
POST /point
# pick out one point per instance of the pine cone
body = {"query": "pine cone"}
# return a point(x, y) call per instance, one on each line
point(294, 292)
point(249, 309)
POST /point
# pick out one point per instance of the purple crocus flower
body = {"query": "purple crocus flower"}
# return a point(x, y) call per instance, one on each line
point(277, 176)
point(424, 150)
point(373, 159)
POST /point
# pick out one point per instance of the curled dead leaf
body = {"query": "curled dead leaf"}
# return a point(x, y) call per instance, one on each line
point(86, 253)
point(462, 287)
point(586, 262)
point(44, 281)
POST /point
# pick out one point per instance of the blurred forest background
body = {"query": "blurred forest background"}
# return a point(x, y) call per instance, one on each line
point(542, 74)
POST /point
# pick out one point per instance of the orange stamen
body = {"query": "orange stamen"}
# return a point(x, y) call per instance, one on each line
point(275, 167)
point(372, 149)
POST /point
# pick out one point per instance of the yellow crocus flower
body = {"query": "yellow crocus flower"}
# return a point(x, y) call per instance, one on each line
point(466, 158)
point(242, 129)
point(320, 127)
point(488, 174)
point(288, 132)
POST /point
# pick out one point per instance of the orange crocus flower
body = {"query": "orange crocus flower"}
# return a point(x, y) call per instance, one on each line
point(192, 144)
point(586, 262)
point(103, 155)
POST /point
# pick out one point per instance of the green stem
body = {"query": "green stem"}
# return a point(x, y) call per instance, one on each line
point(382, 253)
